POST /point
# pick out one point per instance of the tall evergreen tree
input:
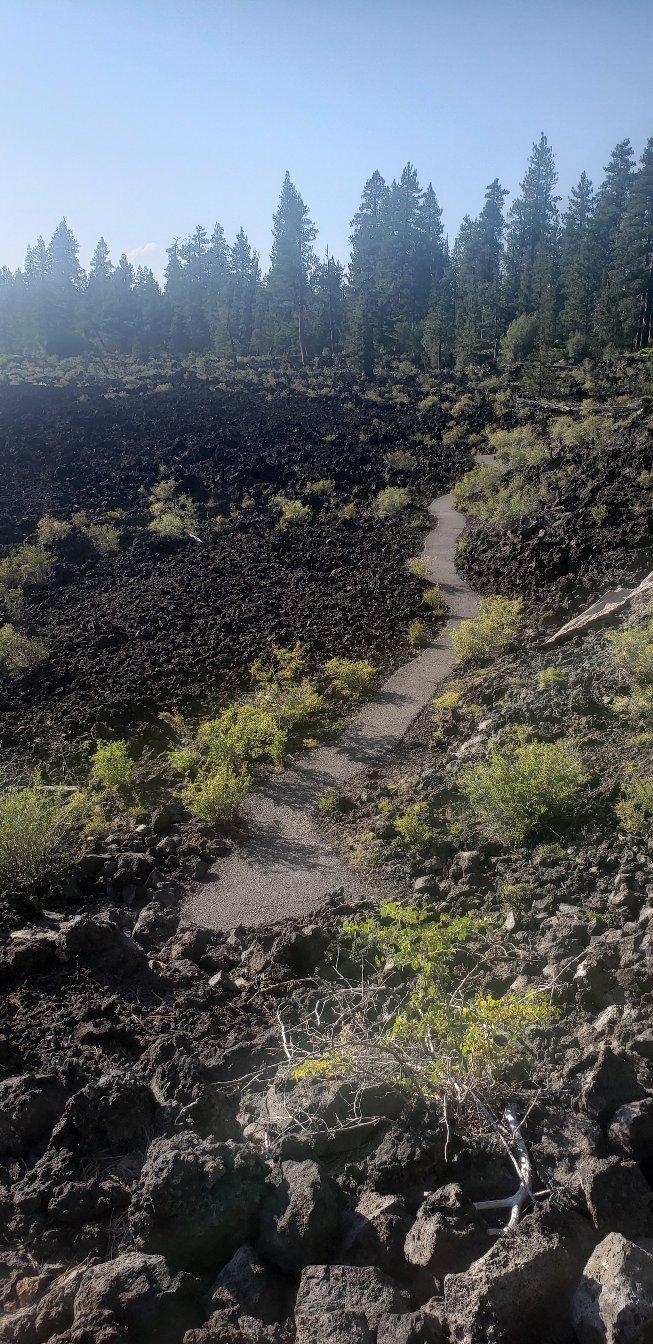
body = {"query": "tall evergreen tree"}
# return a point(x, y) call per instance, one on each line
point(632, 272)
point(611, 200)
point(532, 244)
point(291, 260)
point(368, 286)
point(578, 268)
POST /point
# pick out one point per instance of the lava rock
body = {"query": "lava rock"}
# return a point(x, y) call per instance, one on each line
point(300, 1217)
point(335, 1298)
point(250, 1286)
point(613, 1303)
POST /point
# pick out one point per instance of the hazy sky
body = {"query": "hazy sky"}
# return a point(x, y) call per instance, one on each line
point(138, 120)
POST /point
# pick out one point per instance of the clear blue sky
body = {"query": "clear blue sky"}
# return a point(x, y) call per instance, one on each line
point(138, 120)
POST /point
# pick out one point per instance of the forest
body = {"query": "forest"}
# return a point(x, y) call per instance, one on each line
point(531, 279)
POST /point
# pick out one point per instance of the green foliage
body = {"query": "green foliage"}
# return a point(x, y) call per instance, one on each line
point(414, 827)
point(103, 537)
point(434, 600)
point(634, 807)
point(350, 677)
point(551, 678)
point(520, 339)
point(490, 633)
point(391, 501)
point(525, 790)
point(580, 433)
point(51, 530)
point(27, 564)
point(292, 511)
point(36, 834)
point(517, 896)
point(19, 654)
point(319, 490)
point(111, 766)
point(418, 566)
point(217, 795)
point(631, 650)
point(173, 515)
point(241, 735)
point(399, 460)
point(418, 635)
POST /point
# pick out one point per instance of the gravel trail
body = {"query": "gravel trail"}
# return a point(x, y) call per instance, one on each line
point(285, 869)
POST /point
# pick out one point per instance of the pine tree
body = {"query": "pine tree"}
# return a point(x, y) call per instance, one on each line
point(368, 286)
point(578, 268)
point(66, 283)
point(403, 214)
point(611, 201)
point(632, 273)
point(291, 261)
point(242, 293)
point(532, 245)
point(327, 283)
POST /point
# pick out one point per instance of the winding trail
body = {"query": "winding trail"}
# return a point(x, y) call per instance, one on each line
point(285, 869)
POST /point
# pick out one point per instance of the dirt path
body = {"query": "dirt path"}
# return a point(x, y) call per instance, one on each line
point(285, 869)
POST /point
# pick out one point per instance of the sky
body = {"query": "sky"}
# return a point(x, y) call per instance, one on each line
point(139, 120)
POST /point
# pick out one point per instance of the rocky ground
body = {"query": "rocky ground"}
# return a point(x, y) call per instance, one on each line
point(164, 1178)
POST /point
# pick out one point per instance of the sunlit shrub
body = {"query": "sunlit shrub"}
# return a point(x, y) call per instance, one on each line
point(434, 600)
point(350, 677)
point(525, 790)
point(631, 650)
point(217, 795)
point(111, 765)
point(17, 652)
point(414, 828)
point(242, 734)
point(292, 511)
point(391, 501)
point(27, 564)
point(490, 633)
point(36, 835)
point(634, 808)
point(418, 635)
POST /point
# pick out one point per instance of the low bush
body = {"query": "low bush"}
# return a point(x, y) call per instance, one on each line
point(319, 489)
point(528, 789)
point(29, 563)
point(414, 828)
point(51, 530)
point(418, 566)
point(103, 537)
point(292, 511)
point(418, 635)
point(36, 835)
point(634, 807)
point(217, 795)
point(18, 653)
point(549, 678)
point(241, 735)
point(172, 515)
point(111, 766)
point(490, 633)
point(350, 677)
point(631, 651)
point(391, 501)
point(399, 460)
point(434, 600)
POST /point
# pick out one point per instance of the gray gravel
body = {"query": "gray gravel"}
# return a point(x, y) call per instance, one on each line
point(285, 869)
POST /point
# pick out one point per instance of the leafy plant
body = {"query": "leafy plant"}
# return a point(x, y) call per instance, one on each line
point(548, 678)
point(292, 511)
point(400, 460)
point(242, 734)
point(172, 515)
point(36, 834)
point(433, 598)
point(18, 653)
point(103, 537)
point(111, 765)
point(391, 501)
point(525, 790)
point(634, 808)
point(631, 650)
point(51, 530)
point(418, 636)
point(350, 677)
point(414, 828)
point(29, 563)
point(217, 795)
point(418, 566)
point(490, 633)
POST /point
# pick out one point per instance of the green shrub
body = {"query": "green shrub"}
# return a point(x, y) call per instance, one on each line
point(548, 678)
point(520, 339)
point(292, 511)
point(319, 489)
point(347, 511)
point(490, 633)
point(631, 651)
point(400, 460)
point(18, 653)
point(241, 735)
point(103, 537)
point(111, 765)
point(580, 433)
point(418, 566)
point(391, 501)
point(418, 635)
point(413, 827)
point(491, 493)
point(434, 600)
point(27, 564)
point(217, 795)
point(172, 515)
point(36, 835)
point(51, 530)
point(634, 808)
point(525, 790)
point(350, 677)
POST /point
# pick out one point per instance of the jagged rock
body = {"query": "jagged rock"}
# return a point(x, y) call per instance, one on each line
point(223, 1328)
point(249, 1286)
point(47, 1317)
point(30, 1106)
point(447, 1233)
point(196, 1200)
point(107, 1118)
point(340, 1303)
point(631, 1133)
point(601, 612)
point(78, 1202)
point(618, 1197)
point(610, 1082)
point(520, 1291)
point(299, 1218)
point(155, 925)
point(415, 1327)
point(101, 946)
point(614, 1300)
point(375, 1231)
point(138, 1296)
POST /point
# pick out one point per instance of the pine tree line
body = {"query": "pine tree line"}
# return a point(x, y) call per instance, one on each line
point(533, 281)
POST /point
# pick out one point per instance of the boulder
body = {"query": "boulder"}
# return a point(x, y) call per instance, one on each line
point(156, 923)
point(102, 947)
point(299, 1218)
point(618, 1197)
point(356, 1296)
point(613, 1303)
point(631, 1133)
point(375, 1231)
point(30, 1106)
point(414, 1327)
point(447, 1233)
point(108, 1118)
point(610, 1082)
point(140, 1298)
point(197, 1200)
point(248, 1286)
point(520, 1291)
